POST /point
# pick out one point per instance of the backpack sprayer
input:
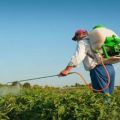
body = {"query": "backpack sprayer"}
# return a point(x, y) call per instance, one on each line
point(106, 43)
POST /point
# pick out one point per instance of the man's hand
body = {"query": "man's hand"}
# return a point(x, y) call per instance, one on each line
point(63, 73)
point(111, 60)
point(66, 71)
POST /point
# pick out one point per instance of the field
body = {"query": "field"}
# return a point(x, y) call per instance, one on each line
point(68, 103)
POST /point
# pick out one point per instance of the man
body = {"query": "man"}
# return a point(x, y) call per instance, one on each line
point(85, 54)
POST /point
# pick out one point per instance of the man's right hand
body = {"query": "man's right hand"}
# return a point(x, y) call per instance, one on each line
point(66, 71)
point(63, 73)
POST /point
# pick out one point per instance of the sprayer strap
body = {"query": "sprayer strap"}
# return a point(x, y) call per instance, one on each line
point(91, 56)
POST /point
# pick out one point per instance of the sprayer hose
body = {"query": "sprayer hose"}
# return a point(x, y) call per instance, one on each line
point(88, 85)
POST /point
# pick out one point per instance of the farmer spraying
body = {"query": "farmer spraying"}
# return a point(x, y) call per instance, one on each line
point(92, 53)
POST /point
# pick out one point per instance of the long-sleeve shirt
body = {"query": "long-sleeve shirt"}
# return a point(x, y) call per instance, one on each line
point(82, 54)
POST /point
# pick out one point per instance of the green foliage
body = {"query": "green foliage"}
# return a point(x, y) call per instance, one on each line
point(70, 103)
point(26, 85)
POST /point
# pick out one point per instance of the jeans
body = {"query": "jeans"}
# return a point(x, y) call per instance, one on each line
point(99, 78)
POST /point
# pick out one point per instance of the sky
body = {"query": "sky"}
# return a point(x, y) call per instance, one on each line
point(35, 36)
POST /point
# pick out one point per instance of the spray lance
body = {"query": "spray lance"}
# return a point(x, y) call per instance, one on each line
point(37, 78)
point(19, 81)
point(78, 74)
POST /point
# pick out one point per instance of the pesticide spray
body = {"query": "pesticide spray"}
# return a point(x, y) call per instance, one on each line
point(10, 90)
point(14, 87)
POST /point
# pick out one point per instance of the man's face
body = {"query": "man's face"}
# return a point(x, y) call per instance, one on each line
point(79, 37)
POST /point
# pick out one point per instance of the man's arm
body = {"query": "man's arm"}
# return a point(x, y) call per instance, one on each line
point(79, 54)
point(78, 57)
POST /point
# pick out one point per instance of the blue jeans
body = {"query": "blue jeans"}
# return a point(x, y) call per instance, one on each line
point(99, 78)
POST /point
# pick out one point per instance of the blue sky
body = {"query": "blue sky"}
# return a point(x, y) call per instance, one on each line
point(35, 36)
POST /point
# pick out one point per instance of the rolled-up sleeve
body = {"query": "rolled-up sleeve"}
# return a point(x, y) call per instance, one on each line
point(79, 54)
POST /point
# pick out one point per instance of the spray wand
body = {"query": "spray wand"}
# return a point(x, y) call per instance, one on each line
point(81, 77)
point(19, 81)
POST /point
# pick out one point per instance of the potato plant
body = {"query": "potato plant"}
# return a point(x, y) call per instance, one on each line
point(68, 103)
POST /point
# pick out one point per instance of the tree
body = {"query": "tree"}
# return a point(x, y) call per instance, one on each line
point(27, 85)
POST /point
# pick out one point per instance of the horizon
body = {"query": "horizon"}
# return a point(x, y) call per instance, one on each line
point(35, 37)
